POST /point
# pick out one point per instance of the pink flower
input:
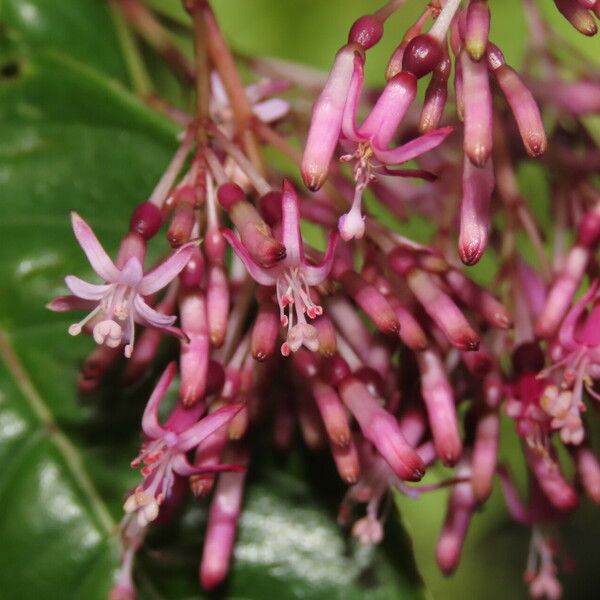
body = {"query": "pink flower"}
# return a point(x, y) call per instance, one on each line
point(119, 303)
point(369, 142)
point(579, 360)
point(164, 454)
point(264, 108)
point(292, 277)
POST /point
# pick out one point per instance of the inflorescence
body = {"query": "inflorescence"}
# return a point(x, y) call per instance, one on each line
point(380, 341)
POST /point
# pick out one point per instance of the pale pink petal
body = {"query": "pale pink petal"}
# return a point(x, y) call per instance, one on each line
point(67, 303)
point(255, 92)
point(316, 274)
point(132, 273)
point(202, 429)
point(217, 89)
point(414, 148)
point(159, 277)
point(150, 425)
point(150, 316)
point(258, 273)
point(100, 261)
point(85, 290)
point(270, 110)
point(291, 236)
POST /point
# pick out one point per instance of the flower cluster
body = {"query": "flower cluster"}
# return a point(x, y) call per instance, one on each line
point(392, 356)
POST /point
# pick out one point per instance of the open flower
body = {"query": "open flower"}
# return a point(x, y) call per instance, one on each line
point(164, 454)
point(292, 277)
point(579, 344)
point(266, 109)
point(118, 303)
point(369, 142)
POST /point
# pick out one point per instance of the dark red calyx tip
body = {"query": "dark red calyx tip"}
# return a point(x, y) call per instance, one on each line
point(229, 194)
point(528, 358)
point(270, 207)
point(146, 220)
point(422, 55)
point(366, 31)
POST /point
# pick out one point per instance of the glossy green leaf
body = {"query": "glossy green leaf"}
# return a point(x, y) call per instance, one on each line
point(83, 29)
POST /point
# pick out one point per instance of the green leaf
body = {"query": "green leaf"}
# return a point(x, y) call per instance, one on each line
point(82, 29)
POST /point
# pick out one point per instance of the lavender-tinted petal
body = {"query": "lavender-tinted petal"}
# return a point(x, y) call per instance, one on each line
point(151, 316)
point(85, 290)
point(270, 110)
point(414, 148)
point(159, 277)
point(99, 259)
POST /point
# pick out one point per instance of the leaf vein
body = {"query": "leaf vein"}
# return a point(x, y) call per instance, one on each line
point(68, 451)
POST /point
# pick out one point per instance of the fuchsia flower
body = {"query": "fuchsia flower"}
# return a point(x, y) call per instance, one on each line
point(579, 359)
point(369, 143)
point(264, 108)
point(293, 277)
point(164, 453)
point(119, 303)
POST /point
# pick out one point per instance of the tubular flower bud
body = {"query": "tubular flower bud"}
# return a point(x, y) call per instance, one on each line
point(254, 232)
point(381, 429)
point(478, 28)
point(477, 102)
point(436, 96)
point(578, 16)
point(441, 409)
point(195, 350)
point(223, 517)
point(521, 102)
point(478, 185)
point(326, 122)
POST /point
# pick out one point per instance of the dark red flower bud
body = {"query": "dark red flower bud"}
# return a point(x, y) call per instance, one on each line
point(146, 220)
point(422, 55)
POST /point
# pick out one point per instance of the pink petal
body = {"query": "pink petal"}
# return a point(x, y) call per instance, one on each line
point(270, 110)
point(66, 303)
point(414, 148)
point(202, 429)
point(85, 290)
point(266, 87)
point(132, 273)
point(258, 273)
point(182, 467)
point(291, 236)
point(100, 261)
point(218, 90)
point(315, 274)
point(566, 333)
point(150, 316)
point(382, 122)
point(152, 428)
point(159, 277)
point(349, 129)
